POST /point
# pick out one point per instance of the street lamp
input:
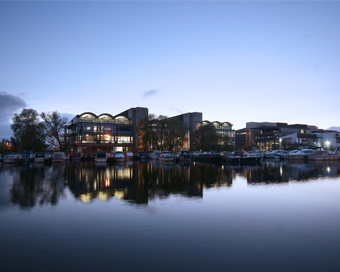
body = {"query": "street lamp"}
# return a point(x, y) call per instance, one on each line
point(327, 144)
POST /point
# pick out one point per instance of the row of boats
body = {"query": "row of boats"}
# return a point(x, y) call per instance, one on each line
point(237, 157)
point(303, 154)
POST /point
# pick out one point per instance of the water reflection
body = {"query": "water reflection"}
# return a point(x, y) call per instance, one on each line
point(37, 184)
point(280, 172)
point(30, 184)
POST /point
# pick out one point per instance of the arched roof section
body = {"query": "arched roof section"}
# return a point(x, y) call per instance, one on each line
point(227, 123)
point(122, 119)
point(105, 114)
point(88, 113)
point(206, 122)
point(217, 122)
point(87, 117)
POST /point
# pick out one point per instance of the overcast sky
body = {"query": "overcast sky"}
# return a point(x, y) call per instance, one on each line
point(233, 61)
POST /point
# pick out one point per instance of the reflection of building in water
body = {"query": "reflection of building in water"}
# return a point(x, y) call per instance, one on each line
point(211, 175)
point(89, 181)
point(277, 172)
point(139, 182)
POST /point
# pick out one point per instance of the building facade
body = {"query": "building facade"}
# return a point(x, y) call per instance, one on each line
point(224, 129)
point(193, 120)
point(90, 133)
point(241, 138)
point(327, 139)
point(266, 135)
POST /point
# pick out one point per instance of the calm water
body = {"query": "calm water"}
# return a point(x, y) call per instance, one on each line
point(170, 217)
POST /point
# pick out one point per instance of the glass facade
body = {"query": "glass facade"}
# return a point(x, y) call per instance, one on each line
point(91, 133)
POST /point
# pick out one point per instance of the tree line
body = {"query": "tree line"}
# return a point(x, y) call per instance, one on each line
point(34, 131)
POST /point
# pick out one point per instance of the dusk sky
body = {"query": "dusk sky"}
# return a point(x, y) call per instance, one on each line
point(233, 61)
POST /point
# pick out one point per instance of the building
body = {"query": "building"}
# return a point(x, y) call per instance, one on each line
point(241, 138)
point(193, 120)
point(266, 135)
point(224, 129)
point(90, 133)
point(328, 139)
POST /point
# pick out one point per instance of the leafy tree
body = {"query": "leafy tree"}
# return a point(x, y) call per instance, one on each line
point(54, 128)
point(207, 138)
point(160, 133)
point(28, 130)
point(225, 144)
point(145, 132)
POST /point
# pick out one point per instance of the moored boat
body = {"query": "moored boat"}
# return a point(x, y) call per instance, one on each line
point(141, 155)
point(12, 158)
point(166, 156)
point(27, 156)
point(155, 155)
point(209, 156)
point(281, 155)
point(118, 156)
point(129, 155)
point(101, 157)
point(39, 157)
point(270, 154)
point(58, 157)
point(183, 155)
point(302, 154)
point(243, 157)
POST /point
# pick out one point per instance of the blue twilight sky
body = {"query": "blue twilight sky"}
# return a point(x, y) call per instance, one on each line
point(233, 61)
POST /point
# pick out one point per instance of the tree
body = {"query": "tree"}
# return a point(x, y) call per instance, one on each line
point(145, 132)
point(54, 126)
point(207, 138)
point(28, 130)
point(160, 133)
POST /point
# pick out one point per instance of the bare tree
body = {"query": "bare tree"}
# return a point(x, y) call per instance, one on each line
point(54, 126)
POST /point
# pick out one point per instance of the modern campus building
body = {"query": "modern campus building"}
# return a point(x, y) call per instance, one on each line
point(328, 139)
point(266, 135)
point(193, 120)
point(89, 133)
point(241, 138)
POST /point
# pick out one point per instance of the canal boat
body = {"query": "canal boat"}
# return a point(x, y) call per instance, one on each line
point(27, 156)
point(76, 156)
point(208, 156)
point(270, 154)
point(155, 155)
point(141, 155)
point(48, 157)
point(243, 157)
point(58, 157)
point(281, 155)
point(118, 156)
point(129, 155)
point(101, 157)
point(39, 157)
point(166, 156)
point(12, 158)
point(183, 155)
point(302, 154)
